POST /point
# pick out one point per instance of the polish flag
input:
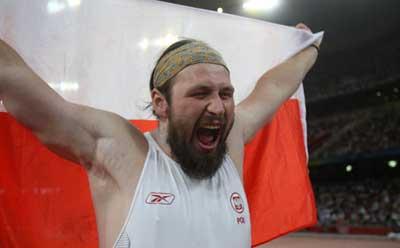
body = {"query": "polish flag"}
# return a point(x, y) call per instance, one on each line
point(101, 53)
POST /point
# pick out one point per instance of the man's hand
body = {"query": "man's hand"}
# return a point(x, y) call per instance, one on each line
point(308, 30)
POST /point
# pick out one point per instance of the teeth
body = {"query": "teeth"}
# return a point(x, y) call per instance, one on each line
point(210, 127)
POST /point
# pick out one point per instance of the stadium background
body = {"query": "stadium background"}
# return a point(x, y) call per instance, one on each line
point(353, 104)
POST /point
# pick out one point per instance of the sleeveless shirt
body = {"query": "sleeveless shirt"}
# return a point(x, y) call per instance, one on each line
point(170, 209)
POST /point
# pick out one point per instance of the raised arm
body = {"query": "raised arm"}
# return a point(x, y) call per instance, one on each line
point(272, 89)
point(72, 131)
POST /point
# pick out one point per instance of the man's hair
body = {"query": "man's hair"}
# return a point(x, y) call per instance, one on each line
point(165, 89)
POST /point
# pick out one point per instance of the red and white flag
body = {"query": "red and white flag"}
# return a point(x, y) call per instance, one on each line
point(101, 53)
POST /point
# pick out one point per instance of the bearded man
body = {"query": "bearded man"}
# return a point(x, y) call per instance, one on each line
point(180, 185)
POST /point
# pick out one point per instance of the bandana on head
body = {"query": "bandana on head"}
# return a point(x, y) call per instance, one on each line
point(189, 54)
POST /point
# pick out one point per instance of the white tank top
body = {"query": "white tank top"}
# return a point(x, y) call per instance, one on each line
point(171, 210)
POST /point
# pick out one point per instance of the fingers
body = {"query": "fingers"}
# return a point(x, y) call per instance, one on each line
point(303, 27)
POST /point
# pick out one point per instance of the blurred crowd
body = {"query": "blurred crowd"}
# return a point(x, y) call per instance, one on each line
point(379, 67)
point(338, 87)
point(362, 131)
point(367, 203)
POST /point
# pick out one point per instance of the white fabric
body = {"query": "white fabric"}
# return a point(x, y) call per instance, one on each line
point(95, 51)
point(194, 214)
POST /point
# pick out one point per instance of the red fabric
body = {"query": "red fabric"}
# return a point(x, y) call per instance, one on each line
point(45, 200)
point(276, 178)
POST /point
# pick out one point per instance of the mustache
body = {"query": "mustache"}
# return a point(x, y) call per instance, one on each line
point(213, 119)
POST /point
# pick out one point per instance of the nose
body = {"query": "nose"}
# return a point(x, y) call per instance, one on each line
point(216, 106)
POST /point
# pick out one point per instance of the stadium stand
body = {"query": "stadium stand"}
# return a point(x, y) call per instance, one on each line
point(369, 130)
point(366, 203)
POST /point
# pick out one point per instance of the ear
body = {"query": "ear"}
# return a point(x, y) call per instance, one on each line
point(159, 104)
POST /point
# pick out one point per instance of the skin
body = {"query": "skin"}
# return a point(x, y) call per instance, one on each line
point(207, 89)
point(113, 151)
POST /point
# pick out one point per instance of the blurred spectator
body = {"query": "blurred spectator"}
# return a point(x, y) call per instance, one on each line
point(367, 203)
point(361, 131)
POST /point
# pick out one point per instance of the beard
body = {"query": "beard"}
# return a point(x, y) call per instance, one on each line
point(195, 164)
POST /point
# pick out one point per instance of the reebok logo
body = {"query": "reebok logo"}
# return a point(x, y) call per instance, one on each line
point(160, 198)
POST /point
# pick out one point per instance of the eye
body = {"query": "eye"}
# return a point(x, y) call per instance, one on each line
point(226, 95)
point(200, 94)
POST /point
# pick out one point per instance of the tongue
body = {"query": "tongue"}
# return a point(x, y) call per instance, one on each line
point(206, 139)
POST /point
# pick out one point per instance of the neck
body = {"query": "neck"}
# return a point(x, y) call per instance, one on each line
point(160, 135)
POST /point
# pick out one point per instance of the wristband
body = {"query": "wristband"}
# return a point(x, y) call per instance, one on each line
point(315, 46)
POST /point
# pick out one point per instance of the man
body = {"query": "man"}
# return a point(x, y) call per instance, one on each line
point(178, 186)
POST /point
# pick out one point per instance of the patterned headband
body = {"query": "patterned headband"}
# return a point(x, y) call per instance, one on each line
point(189, 54)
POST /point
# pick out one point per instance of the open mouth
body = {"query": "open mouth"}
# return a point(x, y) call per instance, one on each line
point(209, 136)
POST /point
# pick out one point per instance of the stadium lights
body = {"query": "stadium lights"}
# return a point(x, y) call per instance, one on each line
point(220, 10)
point(260, 5)
point(349, 168)
point(392, 163)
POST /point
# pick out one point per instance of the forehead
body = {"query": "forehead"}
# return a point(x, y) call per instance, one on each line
point(203, 74)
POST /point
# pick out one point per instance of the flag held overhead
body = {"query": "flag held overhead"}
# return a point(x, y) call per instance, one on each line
point(100, 53)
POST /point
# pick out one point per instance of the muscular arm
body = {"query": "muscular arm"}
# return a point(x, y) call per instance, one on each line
point(271, 90)
point(72, 131)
